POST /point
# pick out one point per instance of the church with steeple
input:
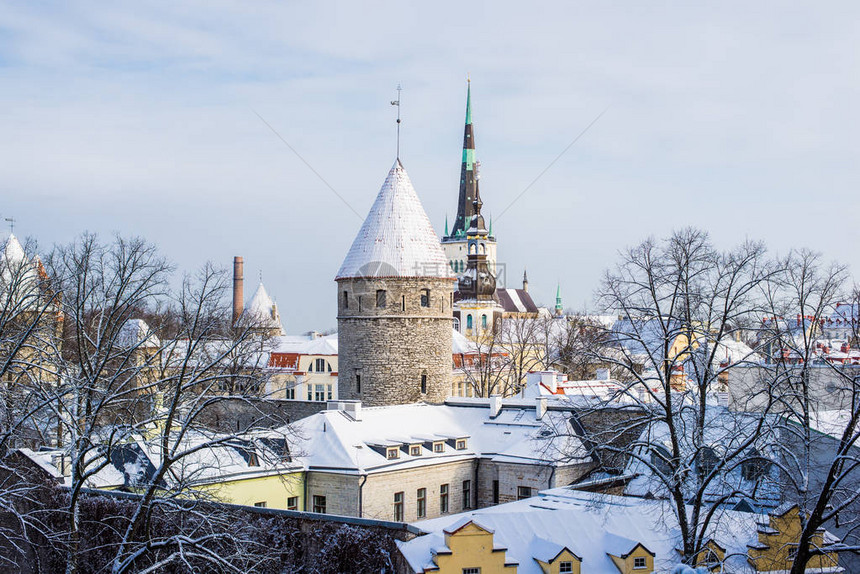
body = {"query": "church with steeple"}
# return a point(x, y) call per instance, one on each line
point(470, 248)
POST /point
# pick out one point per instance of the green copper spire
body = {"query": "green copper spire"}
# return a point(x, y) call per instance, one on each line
point(490, 231)
point(446, 225)
point(558, 306)
point(469, 102)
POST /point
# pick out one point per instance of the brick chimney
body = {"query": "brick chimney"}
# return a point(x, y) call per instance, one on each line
point(238, 288)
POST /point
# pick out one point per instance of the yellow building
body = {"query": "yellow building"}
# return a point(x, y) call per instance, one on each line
point(563, 531)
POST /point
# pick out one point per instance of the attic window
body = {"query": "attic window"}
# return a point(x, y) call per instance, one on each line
point(461, 444)
point(415, 450)
point(439, 446)
point(565, 567)
point(392, 453)
point(639, 563)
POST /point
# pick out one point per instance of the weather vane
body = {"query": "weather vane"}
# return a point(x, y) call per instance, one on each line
point(397, 103)
point(11, 221)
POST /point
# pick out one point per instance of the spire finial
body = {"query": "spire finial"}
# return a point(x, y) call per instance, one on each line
point(11, 221)
point(446, 225)
point(397, 103)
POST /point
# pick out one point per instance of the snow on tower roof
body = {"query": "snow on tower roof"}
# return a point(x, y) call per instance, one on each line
point(397, 238)
point(261, 309)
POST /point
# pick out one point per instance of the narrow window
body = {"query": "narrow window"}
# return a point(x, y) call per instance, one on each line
point(483, 321)
point(398, 507)
point(359, 303)
point(380, 298)
point(319, 504)
point(495, 492)
point(345, 300)
point(421, 498)
point(467, 494)
point(293, 503)
point(468, 322)
point(403, 302)
point(358, 383)
point(639, 563)
point(423, 384)
point(261, 504)
point(524, 492)
point(425, 297)
point(328, 392)
point(310, 392)
point(443, 498)
point(320, 365)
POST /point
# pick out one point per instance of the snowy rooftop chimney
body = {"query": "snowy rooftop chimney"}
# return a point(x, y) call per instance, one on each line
point(495, 406)
point(351, 408)
point(540, 407)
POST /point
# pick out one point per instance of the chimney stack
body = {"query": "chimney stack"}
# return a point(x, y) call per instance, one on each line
point(238, 288)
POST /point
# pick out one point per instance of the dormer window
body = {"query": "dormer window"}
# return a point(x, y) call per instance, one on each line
point(565, 567)
point(461, 444)
point(415, 450)
point(439, 446)
point(392, 453)
point(639, 563)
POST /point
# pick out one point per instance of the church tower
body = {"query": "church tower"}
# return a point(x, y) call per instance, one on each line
point(455, 243)
point(394, 301)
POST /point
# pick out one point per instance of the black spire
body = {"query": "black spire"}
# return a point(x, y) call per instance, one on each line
point(468, 175)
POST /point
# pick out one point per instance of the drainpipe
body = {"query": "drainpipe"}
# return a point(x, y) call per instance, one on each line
point(305, 502)
point(477, 498)
point(551, 475)
point(360, 487)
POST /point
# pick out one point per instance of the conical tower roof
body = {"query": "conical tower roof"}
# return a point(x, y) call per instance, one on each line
point(397, 238)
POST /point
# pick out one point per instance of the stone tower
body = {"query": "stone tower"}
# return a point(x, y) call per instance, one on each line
point(394, 301)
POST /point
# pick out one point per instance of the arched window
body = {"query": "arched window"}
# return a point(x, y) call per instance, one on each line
point(472, 249)
point(483, 249)
point(483, 321)
point(468, 322)
point(456, 323)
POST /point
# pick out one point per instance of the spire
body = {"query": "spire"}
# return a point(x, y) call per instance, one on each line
point(446, 225)
point(525, 281)
point(559, 308)
point(468, 174)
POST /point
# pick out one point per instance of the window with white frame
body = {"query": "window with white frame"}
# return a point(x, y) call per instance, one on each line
point(639, 563)
point(565, 567)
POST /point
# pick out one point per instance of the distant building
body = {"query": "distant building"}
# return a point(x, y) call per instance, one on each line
point(304, 368)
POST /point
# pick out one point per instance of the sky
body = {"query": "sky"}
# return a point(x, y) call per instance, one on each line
point(150, 119)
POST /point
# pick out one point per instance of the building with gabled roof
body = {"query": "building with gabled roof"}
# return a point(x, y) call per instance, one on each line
point(566, 531)
point(405, 462)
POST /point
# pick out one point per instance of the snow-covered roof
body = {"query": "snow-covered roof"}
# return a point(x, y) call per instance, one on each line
point(724, 431)
point(326, 345)
point(339, 442)
point(261, 310)
point(397, 238)
point(590, 525)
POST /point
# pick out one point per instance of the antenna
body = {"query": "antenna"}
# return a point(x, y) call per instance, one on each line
point(397, 103)
point(11, 221)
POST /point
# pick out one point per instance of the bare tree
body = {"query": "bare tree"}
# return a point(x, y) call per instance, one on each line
point(818, 400)
point(678, 301)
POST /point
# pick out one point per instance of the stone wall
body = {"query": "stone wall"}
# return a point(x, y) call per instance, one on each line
point(379, 490)
point(390, 347)
point(238, 415)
